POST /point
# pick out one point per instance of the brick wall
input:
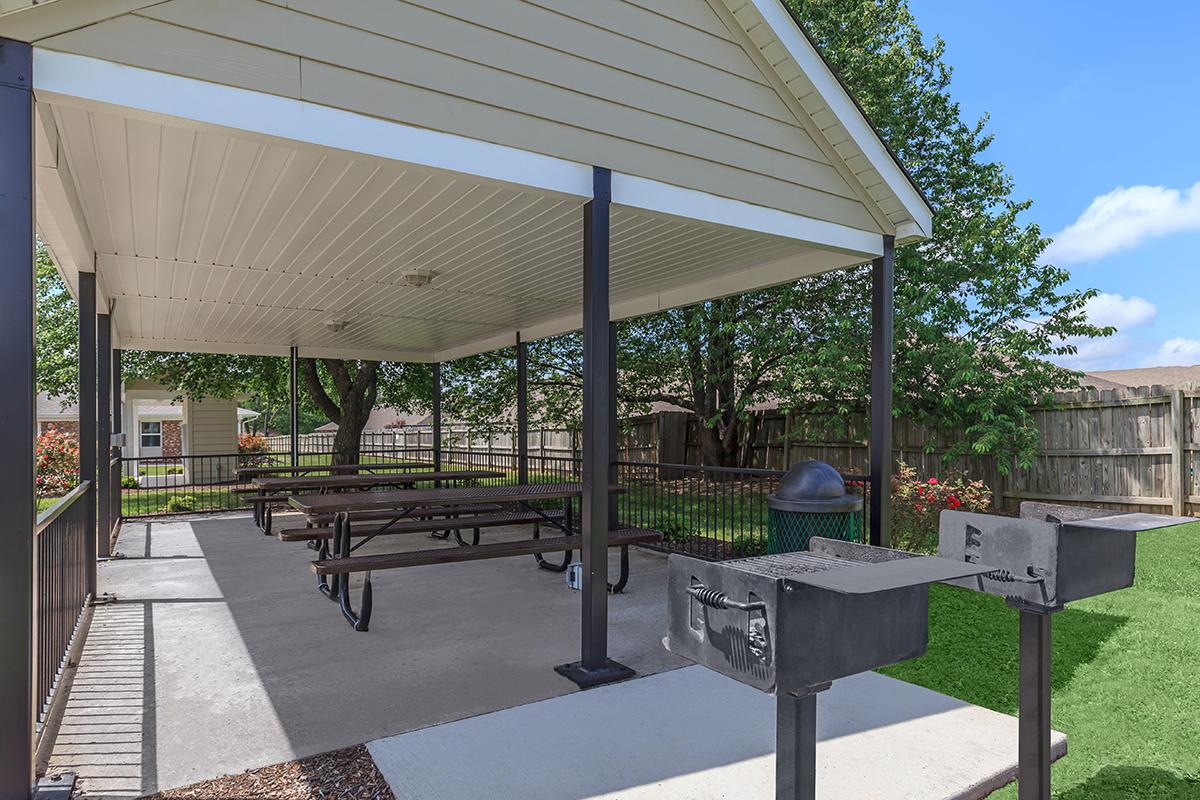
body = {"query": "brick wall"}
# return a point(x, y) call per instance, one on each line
point(172, 438)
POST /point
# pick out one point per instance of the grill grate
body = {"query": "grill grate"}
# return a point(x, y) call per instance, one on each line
point(787, 565)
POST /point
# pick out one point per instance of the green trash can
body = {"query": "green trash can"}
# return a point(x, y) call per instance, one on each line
point(811, 501)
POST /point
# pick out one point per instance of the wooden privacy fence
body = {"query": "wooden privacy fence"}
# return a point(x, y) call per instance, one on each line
point(1131, 449)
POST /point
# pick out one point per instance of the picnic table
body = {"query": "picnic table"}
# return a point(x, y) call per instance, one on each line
point(245, 473)
point(333, 570)
point(274, 488)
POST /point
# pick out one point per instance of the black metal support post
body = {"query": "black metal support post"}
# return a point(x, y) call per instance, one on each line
point(87, 414)
point(614, 430)
point(594, 666)
point(796, 745)
point(294, 405)
point(437, 416)
point(882, 314)
point(522, 411)
point(1033, 748)
point(118, 409)
point(103, 433)
point(17, 418)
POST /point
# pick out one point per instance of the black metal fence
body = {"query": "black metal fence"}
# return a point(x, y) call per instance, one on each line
point(190, 484)
point(709, 512)
point(62, 587)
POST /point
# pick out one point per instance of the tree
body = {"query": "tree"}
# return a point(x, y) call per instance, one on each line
point(57, 363)
point(977, 313)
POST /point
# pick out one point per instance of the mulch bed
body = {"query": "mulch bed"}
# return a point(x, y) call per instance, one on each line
point(348, 774)
point(705, 547)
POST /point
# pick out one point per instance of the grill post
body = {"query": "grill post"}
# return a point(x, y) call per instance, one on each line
point(1033, 748)
point(796, 744)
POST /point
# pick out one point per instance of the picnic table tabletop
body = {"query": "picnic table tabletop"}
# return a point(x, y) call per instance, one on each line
point(263, 472)
point(313, 504)
point(324, 482)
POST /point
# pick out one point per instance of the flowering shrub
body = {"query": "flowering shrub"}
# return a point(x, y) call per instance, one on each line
point(252, 444)
point(57, 463)
point(917, 503)
point(253, 449)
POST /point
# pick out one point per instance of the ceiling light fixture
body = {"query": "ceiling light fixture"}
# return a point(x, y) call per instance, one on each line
point(418, 277)
point(336, 325)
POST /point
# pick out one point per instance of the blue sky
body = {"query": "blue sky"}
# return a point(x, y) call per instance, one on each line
point(1096, 100)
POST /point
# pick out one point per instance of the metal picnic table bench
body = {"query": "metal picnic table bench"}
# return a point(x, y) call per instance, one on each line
point(333, 572)
point(244, 473)
point(275, 489)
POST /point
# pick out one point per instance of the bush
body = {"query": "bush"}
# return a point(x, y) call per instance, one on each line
point(129, 482)
point(253, 449)
point(180, 503)
point(253, 443)
point(674, 529)
point(746, 546)
point(918, 503)
point(57, 463)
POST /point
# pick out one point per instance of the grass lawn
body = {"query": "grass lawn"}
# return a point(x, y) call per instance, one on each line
point(1125, 674)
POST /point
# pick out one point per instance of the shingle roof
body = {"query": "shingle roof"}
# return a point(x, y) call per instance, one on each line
point(1144, 376)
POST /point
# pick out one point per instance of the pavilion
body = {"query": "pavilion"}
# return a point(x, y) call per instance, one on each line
point(410, 181)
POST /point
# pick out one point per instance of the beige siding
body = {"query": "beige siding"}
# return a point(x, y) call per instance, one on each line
point(212, 426)
point(658, 88)
point(211, 431)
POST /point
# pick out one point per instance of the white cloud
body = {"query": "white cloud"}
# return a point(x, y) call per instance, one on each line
point(1094, 354)
point(1122, 219)
point(1176, 353)
point(1120, 312)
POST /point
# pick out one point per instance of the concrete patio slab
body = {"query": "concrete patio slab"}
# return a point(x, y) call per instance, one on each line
point(691, 734)
point(220, 655)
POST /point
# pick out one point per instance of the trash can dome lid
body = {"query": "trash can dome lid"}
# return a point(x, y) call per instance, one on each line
point(813, 487)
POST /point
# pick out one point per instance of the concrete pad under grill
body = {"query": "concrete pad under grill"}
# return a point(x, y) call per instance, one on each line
point(692, 734)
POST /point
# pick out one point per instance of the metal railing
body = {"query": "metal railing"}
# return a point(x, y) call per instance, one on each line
point(190, 484)
point(62, 588)
point(708, 512)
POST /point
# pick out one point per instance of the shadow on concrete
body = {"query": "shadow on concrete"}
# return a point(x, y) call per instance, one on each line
point(1142, 783)
point(446, 641)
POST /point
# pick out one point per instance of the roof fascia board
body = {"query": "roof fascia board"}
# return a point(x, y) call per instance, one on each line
point(834, 94)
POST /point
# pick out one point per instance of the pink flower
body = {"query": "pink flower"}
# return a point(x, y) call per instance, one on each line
point(933, 481)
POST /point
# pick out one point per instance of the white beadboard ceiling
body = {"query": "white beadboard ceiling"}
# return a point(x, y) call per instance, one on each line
point(209, 240)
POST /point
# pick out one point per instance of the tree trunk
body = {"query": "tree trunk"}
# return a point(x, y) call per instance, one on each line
point(347, 447)
point(356, 390)
point(713, 452)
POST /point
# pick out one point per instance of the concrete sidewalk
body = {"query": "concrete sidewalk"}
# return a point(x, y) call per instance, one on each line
point(691, 734)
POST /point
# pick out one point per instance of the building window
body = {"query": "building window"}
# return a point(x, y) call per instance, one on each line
point(151, 434)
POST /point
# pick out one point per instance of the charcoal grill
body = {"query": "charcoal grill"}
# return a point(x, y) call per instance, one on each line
point(792, 623)
point(1047, 558)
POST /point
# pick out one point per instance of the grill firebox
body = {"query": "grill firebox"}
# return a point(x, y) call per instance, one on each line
point(1051, 556)
point(792, 623)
